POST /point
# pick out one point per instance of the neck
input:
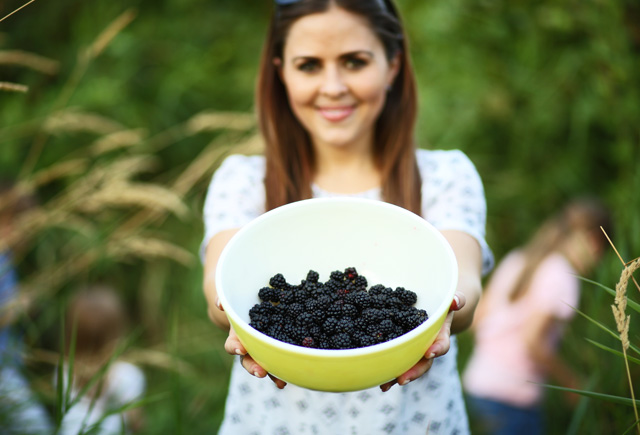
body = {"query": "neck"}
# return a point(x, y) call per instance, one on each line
point(341, 170)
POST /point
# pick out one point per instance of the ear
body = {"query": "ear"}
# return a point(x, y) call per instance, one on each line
point(394, 68)
point(277, 62)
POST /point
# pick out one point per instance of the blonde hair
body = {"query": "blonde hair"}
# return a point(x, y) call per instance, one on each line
point(583, 214)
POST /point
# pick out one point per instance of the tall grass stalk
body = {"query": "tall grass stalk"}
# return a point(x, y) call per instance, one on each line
point(84, 60)
point(623, 321)
point(619, 313)
point(13, 87)
point(11, 13)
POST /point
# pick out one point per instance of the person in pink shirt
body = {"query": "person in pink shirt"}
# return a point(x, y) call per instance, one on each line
point(519, 320)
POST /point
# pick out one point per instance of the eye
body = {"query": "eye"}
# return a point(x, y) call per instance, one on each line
point(355, 63)
point(309, 65)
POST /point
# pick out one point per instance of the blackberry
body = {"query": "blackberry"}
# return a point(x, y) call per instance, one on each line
point(360, 282)
point(324, 301)
point(337, 276)
point(330, 325)
point(295, 309)
point(261, 324)
point(331, 287)
point(393, 302)
point(296, 332)
point(319, 315)
point(360, 300)
point(269, 294)
point(406, 296)
point(346, 325)
point(366, 340)
point(337, 314)
point(376, 289)
point(310, 305)
point(342, 340)
point(349, 310)
point(335, 309)
point(387, 327)
point(286, 297)
point(305, 319)
point(278, 281)
point(313, 276)
point(372, 315)
point(343, 292)
point(350, 273)
point(299, 295)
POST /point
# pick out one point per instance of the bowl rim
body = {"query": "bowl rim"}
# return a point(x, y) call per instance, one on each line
point(434, 316)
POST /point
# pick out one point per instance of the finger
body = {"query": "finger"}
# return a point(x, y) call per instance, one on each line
point(442, 343)
point(279, 382)
point(219, 304)
point(419, 369)
point(252, 367)
point(388, 385)
point(232, 344)
point(459, 301)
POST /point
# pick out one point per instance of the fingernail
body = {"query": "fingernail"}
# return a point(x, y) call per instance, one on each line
point(431, 355)
point(456, 298)
point(405, 382)
point(217, 302)
point(255, 373)
point(237, 351)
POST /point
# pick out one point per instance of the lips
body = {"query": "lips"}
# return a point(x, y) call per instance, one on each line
point(336, 114)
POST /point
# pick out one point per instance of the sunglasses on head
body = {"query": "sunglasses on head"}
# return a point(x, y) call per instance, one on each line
point(288, 2)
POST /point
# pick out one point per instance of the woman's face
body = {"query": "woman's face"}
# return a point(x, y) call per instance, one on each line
point(336, 74)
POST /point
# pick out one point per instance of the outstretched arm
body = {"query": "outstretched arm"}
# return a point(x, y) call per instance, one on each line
point(212, 255)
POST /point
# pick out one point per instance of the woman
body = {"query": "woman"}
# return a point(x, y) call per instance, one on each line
point(336, 102)
point(528, 299)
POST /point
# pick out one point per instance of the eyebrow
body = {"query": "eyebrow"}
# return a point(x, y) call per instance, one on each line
point(367, 53)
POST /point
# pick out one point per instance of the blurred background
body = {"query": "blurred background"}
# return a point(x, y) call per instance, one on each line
point(114, 115)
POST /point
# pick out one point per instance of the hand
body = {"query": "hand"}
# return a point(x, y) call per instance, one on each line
point(439, 347)
point(233, 346)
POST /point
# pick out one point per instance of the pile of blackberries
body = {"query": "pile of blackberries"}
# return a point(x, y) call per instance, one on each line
point(338, 314)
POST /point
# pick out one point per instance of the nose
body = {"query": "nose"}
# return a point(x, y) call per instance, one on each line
point(333, 84)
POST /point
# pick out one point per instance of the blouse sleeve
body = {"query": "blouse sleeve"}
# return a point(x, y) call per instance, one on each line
point(235, 196)
point(127, 383)
point(453, 197)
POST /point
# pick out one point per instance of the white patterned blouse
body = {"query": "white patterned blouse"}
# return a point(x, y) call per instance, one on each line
point(452, 199)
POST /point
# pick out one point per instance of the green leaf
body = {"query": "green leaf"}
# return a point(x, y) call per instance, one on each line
point(631, 304)
point(60, 396)
point(635, 423)
point(600, 396)
point(614, 351)
point(71, 358)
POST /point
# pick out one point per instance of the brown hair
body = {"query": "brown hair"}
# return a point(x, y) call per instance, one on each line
point(582, 214)
point(99, 319)
point(290, 160)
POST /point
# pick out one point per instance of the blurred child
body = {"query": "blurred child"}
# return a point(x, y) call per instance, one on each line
point(99, 319)
point(20, 411)
point(519, 320)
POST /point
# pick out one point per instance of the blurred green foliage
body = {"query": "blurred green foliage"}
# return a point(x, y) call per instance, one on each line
point(544, 97)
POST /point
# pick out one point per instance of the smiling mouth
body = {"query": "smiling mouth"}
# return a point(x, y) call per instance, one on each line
point(336, 114)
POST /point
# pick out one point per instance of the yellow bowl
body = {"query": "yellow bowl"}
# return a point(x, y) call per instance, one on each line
point(387, 244)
